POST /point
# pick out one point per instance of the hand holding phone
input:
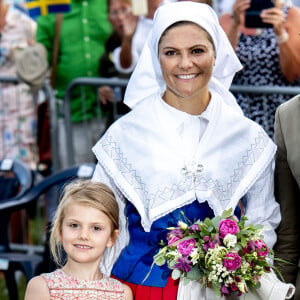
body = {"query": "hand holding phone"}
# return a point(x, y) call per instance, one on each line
point(252, 15)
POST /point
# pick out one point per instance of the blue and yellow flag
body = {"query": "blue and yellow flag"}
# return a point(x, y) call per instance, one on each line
point(45, 7)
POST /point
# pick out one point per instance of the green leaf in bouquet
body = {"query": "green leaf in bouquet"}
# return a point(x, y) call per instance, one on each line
point(216, 288)
point(245, 232)
point(162, 243)
point(204, 230)
point(258, 285)
point(243, 241)
point(257, 227)
point(227, 213)
point(238, 248)
point(172, 263)
point(185, 281)
point(283, 260)
point(210, 229)
point(175, 274)
point(208, 222)
point(159, 258)
point(276, 269)
point(194, 274)
point(216, 221)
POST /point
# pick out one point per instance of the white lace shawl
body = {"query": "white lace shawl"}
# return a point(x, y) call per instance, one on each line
point(145, 160)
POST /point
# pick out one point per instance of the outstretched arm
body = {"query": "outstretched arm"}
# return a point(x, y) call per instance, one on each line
point(288, 39)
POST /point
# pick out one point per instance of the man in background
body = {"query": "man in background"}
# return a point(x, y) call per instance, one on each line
point(287, 189)
point(83, 35)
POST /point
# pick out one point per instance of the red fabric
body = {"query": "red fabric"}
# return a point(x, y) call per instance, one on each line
point(142, 292)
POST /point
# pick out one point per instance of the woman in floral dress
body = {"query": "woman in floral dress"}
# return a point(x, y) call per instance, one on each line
point(17, 107)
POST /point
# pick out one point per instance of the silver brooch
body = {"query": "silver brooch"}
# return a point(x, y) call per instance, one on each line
point(192, 169)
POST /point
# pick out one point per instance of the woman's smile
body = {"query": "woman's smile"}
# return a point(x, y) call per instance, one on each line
point(187, 76)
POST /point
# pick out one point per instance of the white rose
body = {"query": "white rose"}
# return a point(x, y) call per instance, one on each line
point(230, 240)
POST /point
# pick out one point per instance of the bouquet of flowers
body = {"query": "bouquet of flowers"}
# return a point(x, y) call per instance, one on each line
point(222, 253)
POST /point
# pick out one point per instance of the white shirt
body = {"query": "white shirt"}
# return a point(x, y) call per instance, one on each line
point(139, 38)
point(144, 164)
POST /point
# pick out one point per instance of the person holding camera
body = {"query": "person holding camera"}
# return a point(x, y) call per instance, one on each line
point(269, 52)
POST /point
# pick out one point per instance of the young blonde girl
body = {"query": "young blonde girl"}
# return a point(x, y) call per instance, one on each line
point(85, 224)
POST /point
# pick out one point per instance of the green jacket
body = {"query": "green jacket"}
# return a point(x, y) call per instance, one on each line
point(83, 35)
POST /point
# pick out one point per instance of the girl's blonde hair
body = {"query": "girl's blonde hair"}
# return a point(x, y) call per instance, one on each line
point(83, 192)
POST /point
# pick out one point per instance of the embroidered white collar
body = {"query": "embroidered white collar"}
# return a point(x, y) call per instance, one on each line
point(143, 155)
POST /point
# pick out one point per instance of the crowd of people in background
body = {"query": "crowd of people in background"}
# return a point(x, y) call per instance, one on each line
point(104, 38)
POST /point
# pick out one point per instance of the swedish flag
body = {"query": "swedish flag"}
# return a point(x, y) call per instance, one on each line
point(45, 7)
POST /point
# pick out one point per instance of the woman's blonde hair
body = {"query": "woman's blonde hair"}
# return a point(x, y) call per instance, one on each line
point(83, 192)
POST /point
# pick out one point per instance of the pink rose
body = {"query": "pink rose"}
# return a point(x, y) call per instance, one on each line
point(174, 236)
point(262, 249)
point(232, 261)
point(173, 239)
point(258, 246)
point(228, 226)
point(186, 247)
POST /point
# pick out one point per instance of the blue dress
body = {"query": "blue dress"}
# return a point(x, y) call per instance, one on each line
point(135, 264)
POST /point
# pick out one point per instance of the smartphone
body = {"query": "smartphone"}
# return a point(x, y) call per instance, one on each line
point(139, 7)
point(252, 18)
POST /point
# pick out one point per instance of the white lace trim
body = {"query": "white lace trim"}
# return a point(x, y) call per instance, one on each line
point(228, 171)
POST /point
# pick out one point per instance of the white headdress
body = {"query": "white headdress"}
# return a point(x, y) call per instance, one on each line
point(147, 77)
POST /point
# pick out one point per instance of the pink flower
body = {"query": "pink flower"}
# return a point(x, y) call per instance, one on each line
point(228, 226)
point(206, 238)
point(234, 287)
point(205, 247)
point(183, 264)
point(217, 239)
point(249, 247)
point(224, 291)
point(186, 247)
point(258, 246)
point(173, 239)
point(232, 261)
point(195, 227)
point(211, 245)
point(262, 249)
point(174, 236)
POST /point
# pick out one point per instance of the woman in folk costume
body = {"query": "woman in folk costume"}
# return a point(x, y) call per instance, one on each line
point(184, 147)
